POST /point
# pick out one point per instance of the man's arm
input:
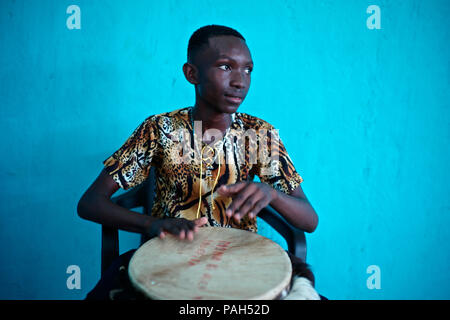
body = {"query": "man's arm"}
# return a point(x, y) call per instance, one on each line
point(296, 209)
point(96, 205)
point(251, 197)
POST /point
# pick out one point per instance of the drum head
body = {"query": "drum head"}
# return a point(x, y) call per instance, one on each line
point(221, 263)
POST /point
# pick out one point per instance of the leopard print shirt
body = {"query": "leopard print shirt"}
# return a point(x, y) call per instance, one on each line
point(166, 141)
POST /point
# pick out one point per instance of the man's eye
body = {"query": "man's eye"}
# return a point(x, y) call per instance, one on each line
point(249, 70)
point(225, 67)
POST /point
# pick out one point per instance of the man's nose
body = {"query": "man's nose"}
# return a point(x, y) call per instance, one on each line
point(238, 80)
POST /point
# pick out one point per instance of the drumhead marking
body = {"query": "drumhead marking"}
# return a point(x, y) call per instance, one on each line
point(221, 263)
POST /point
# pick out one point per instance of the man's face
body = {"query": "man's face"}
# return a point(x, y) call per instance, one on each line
point(224, 73)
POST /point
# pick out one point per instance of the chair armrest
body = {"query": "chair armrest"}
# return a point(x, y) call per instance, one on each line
point(134, 198)
point(295, 238)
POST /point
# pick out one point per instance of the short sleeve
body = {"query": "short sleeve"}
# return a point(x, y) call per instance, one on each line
point(274, 165)
point(130, 165)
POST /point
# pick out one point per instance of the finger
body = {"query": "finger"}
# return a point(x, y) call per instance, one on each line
point(257, 208)
point(249, 204)
point(200, 221)
point(239, 200)
point(181, 235)
point(223, 191)
point(162, 235)
point(250, 207)
point(189, 230)
point(230, 190)
point(237, 217)
point(233, 188)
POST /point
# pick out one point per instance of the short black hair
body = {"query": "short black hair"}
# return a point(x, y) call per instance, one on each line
point(201, 36)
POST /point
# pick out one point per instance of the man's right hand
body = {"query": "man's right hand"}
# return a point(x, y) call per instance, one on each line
point(178, 227)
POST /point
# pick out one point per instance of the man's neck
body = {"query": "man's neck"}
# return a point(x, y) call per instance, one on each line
point(211, 119)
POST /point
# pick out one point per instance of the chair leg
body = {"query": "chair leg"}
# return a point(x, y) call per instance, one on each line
point(110, 247)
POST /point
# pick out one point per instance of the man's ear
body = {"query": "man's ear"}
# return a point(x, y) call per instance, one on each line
point(191, 73)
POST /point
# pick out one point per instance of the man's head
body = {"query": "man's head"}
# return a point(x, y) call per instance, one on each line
point(219, 65)
point(200, 38)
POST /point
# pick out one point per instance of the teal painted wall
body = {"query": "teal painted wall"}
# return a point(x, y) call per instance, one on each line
point(363, 113)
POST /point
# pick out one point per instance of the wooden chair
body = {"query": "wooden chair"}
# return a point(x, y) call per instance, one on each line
point(143, 195)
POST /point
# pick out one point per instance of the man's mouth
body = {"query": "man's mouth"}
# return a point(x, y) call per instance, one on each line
point(233, 98)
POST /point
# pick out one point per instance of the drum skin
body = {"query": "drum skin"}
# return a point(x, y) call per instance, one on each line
point(219, 264)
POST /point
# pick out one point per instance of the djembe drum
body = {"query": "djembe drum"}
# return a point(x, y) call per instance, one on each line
point(219, 264)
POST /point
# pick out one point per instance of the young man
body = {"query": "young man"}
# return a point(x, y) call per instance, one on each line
point(212, 184)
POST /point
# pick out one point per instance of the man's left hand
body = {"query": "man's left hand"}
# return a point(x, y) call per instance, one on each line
point(248, 198)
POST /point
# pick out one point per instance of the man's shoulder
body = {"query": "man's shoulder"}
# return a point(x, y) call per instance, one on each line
point(175, 115)
point(249, 121)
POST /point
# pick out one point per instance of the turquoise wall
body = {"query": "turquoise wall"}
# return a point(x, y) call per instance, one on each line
point(364, 114)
